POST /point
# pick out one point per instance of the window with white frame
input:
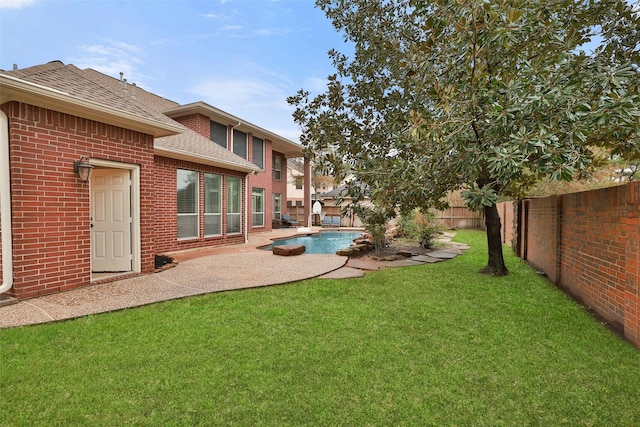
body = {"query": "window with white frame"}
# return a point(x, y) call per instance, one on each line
point(257, 207)
point(234, 205)
point(277, 167)
point(188, 220)
point(240, 143)
point(218, 134)
point(277, 206)
point(212, 204)
point(257, 152)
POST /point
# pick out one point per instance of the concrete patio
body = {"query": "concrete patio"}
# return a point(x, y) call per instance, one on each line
point(203, 271)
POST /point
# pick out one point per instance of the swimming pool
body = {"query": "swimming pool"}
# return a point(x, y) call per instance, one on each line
point(324, 242)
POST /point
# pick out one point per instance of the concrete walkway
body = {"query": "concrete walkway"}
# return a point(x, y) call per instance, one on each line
point(199, 272)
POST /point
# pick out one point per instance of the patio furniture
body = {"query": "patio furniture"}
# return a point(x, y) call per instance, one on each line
point(288, 222)
point(335, 221)
point(326, 221)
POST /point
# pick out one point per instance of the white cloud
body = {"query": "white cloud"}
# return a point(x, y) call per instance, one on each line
point(231, 28)
point(112, 58)
point(244, 92)
point(260, 102)
point(15, 4)
point(315, 84)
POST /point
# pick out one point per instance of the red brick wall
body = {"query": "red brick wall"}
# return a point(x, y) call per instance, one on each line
point(198, 123)
point(51, 217)
point(263, 180)
point(281, 185)
point(588, 244)
point(166, 210)
point(543, 235)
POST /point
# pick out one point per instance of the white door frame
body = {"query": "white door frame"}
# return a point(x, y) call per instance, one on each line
point(134, 170)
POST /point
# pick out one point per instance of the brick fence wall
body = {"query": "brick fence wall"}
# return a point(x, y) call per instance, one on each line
point(588, 244)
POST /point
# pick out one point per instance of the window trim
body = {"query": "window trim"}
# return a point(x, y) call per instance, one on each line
point(213, 214)
point(195, 214)
point(226, 134)
point(229, 205)
point(277, 215)
point(261, 192)
point(253, 151)
point(277, 173)
point(246, 143)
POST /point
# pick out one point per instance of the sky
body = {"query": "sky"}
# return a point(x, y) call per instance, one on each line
point(242, 56)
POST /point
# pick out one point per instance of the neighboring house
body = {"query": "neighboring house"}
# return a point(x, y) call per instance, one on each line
point(295, 183)
point(164, 177)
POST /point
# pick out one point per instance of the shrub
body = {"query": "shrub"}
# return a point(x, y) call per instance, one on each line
point(421, 227)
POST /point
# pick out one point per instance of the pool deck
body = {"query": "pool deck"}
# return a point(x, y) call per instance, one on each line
point(198, 272)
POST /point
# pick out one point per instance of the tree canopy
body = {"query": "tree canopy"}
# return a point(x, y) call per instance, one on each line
point(485, 96)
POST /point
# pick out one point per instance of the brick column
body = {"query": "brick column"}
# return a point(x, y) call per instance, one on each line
point(307, 191)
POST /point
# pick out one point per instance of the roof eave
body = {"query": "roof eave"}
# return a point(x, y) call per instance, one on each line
point(287, 147)
point(210, 161)
point(14, 89)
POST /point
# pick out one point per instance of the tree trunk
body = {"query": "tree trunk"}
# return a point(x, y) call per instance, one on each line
point(495, 265)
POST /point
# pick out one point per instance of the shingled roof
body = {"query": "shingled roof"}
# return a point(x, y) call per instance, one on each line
point(93, 88)
point(187, 145)
point(71, 80)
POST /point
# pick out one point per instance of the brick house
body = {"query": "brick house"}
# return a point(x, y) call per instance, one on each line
point(164, 177)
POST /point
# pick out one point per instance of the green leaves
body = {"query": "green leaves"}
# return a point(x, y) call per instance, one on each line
point(478, 197)
point(442, 94)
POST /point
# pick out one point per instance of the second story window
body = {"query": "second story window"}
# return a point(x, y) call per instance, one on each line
point(240, 143)
point(277, 168)
point(257, 152)
point(219, 134)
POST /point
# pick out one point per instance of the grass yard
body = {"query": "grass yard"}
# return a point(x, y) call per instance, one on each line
point(436, 345)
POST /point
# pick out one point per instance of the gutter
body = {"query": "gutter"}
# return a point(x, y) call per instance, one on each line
point(5, 204)
point(15, 89)
point(174, 153)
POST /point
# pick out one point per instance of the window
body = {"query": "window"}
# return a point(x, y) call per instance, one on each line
point(257, 155)
point(212, 204)
point(277, 167)
point(234, 205)
point(240, 143)
point(188, 220)
point(257, 207)
point(277, 206)
point(219, 134)
point(299, 180)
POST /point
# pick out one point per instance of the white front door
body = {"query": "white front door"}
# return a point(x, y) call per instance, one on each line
point(110, 220)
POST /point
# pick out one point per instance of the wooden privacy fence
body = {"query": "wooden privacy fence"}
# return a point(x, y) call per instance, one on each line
point(454, 217)
point(460, 217)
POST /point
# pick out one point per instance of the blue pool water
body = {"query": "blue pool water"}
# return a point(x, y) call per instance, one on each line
point(324, 242)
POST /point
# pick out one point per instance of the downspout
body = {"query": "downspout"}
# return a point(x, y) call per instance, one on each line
point(5, 206)
point(246, 210)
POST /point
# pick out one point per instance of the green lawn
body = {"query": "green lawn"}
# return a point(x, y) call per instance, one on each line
point(433, 345)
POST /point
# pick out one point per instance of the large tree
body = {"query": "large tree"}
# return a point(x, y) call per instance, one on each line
point(485, 96)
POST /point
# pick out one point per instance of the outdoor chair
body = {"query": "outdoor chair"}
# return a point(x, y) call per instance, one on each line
point(335, 221)
point(288, 222)
point(326, 221)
